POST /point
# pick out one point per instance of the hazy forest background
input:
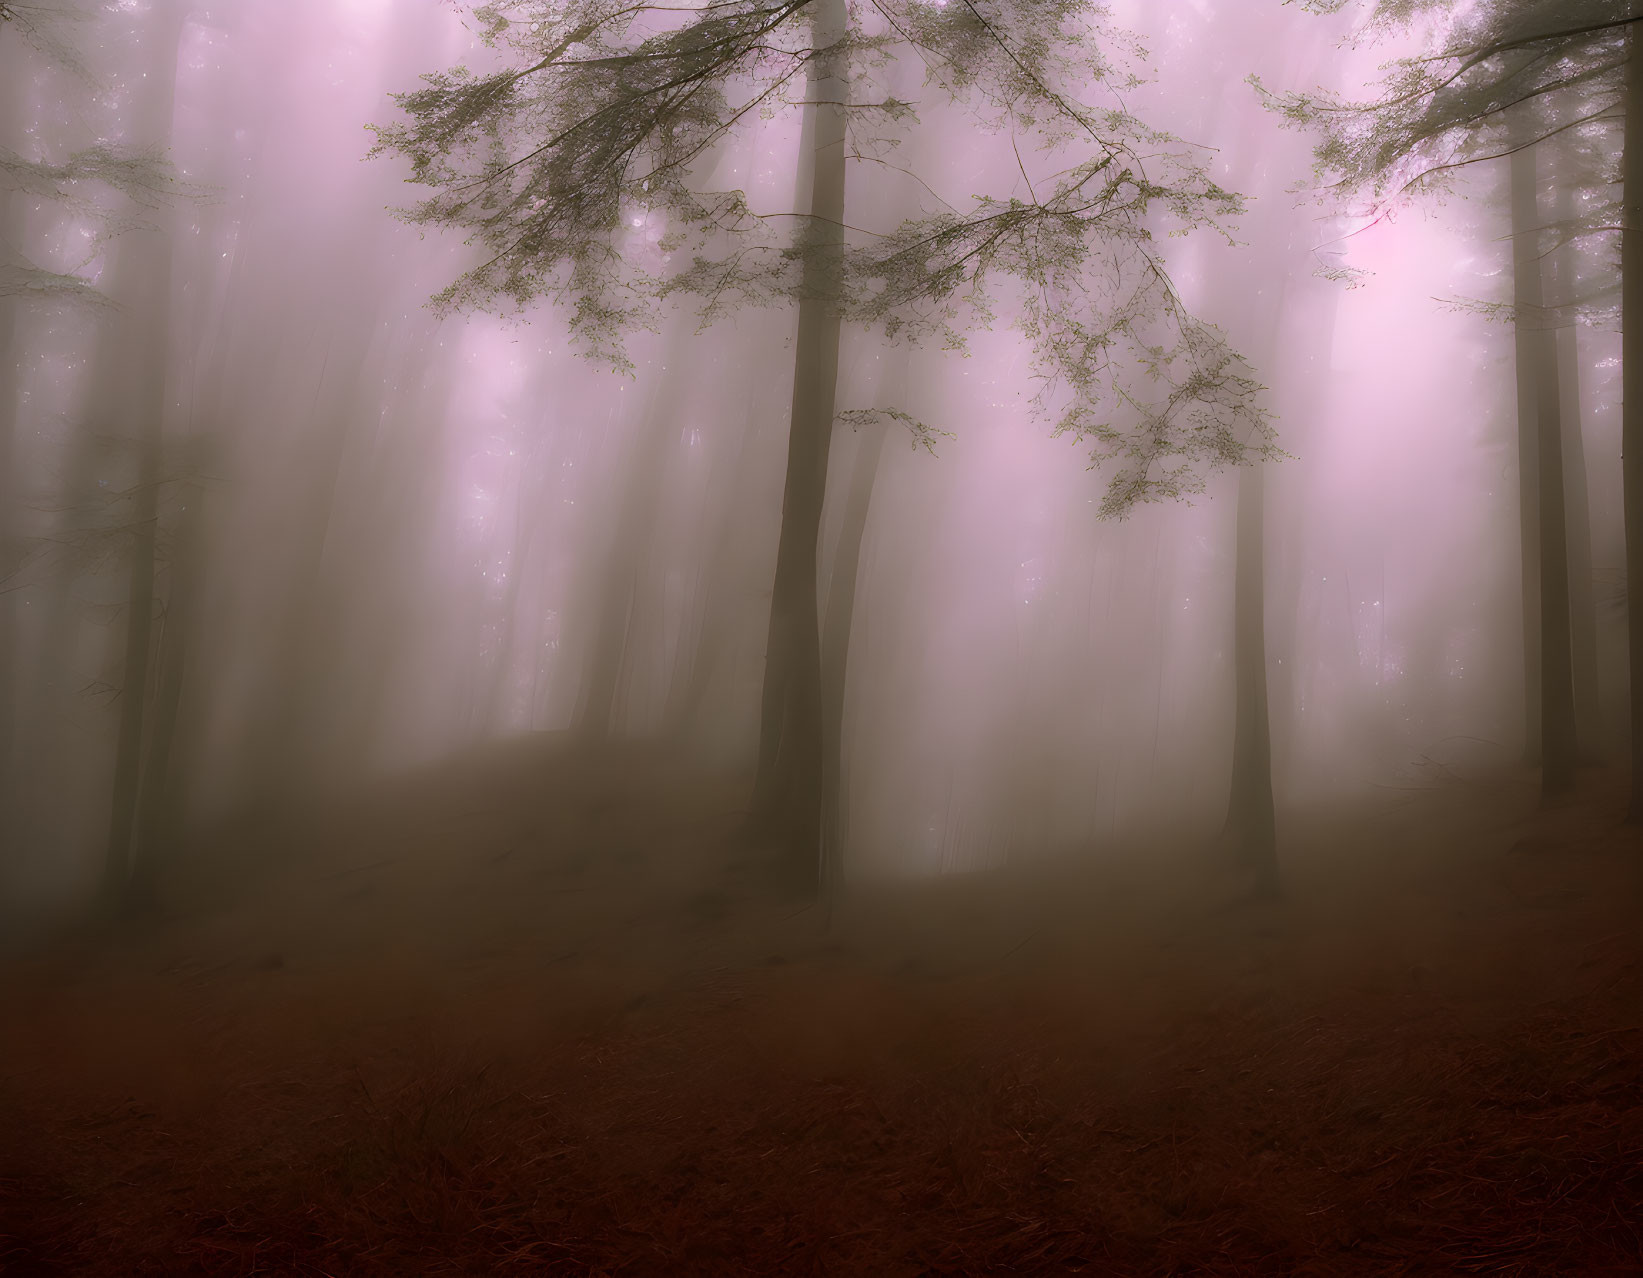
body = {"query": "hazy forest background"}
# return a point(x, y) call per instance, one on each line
point(274, 525)
point(820, 636)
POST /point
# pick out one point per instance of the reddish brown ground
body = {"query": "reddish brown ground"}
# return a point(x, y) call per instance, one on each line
point(471, 1044)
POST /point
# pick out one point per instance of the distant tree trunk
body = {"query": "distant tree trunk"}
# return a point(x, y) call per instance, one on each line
point(293, 700)
point(160, 799)
point(1258, 291)
point(1537, 347)
point(1590, 732)
point(619, 575)
point(11, 496)
point(787, 795)
point(1251, 821)
point(697, 661)
point(1631, 431)
point(1528, 471)
point(835, 645)
point(491, 706)
point(136, 393)
point(1588, 693)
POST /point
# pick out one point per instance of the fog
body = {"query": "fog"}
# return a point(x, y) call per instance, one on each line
point(381, 535)
point(310, 502)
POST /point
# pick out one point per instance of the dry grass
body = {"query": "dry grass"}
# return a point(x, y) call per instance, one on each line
point(520, 1019)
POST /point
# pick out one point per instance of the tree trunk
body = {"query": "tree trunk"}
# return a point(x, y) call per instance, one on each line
point(1528, 472)
point(1631, 430)
point(11, 496)
point(1537, 347)
point(835, 647)
point(787, 795)
point(294, 707)
point(1251, 820)
point(702, 644)
point(137, 394)
point(160, 798)
point(1590, 733)
point(618, 585)
point(1588, 693)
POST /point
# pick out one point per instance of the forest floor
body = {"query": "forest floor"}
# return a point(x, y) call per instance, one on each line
point(524, 1016)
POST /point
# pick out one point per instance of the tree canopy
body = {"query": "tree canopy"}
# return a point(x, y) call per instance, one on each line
point(1496, 77)
point(605, 114)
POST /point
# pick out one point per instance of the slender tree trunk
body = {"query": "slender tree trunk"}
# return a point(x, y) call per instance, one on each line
point(12, 109)
point(787, 797)
point(835, 648)
point(1588, 694)
point(1537, 345)
point(294, 704)
point(1589, 727)
point(11, 550)
point(1528, 471)
point(619, 577)
point(701, 658)
point(138, 396)
point(491, 704)
point(1631, 431)
point(1251, 820)
point(161, 795)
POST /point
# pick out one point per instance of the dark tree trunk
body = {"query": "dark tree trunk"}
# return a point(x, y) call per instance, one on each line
point(1631, 431)
point(11, 548)
point(1588, 693)
point(787, 795)
point(1537, 347)
point(835, 647)
point(1528, 471)
point(1590, 732)
point(12, 108)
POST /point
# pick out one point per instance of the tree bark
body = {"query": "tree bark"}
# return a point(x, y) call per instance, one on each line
point(787, 794)
point(1537, 347)
point(1631, 430)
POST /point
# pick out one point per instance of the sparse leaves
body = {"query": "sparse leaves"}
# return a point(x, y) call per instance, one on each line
point(1456, 104)
point(604, 127)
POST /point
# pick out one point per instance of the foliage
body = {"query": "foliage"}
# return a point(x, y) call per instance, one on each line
point(75, 185)
point(80, 185)
point(48, 29)
point(1497, 76)
point(604, 118)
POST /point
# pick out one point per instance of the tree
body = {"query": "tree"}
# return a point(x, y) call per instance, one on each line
point(1498, 81)
point(608, 112)
point(123, 188)
point(1541, 448)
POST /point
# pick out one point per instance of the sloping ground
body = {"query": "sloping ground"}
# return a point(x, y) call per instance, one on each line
point(523, 1016)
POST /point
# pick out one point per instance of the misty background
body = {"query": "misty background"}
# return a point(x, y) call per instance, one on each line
point(273, 527)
